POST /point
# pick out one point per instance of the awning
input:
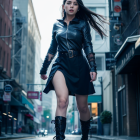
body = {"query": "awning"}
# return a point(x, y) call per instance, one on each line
point(27, 104)
point(15, 102)
point(25, 101)
point(94, 99)
point(128, 57)
point(29, 116)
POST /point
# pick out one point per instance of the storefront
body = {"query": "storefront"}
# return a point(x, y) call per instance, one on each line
point(94, 104)
point(128, 87)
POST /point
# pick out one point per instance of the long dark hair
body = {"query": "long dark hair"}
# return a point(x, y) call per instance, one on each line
point(90, 16)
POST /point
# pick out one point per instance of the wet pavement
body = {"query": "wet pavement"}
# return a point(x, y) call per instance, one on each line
point(50, 137)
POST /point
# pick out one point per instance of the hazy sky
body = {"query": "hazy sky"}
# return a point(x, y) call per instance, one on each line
point(47, 11)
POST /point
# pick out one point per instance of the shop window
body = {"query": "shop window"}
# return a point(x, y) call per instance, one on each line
point(94, 109)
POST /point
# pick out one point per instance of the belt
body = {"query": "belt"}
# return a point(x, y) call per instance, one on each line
point(70, 53)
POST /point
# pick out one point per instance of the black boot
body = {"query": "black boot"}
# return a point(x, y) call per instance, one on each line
point(85, 125)
point(60, 126)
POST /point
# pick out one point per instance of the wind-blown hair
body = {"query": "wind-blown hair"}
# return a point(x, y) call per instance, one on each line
point(88, 15)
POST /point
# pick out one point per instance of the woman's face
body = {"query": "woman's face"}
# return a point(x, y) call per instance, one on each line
point(71, 7)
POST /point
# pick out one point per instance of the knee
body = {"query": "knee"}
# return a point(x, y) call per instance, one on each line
point(62, 103)
point(83, 109)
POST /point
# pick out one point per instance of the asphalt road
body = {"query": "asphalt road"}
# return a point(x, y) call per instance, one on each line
point(50, 137)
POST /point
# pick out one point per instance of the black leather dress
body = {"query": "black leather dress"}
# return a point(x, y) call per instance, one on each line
point(76, 70)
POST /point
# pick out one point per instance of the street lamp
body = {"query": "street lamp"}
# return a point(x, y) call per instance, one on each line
point(47, 116)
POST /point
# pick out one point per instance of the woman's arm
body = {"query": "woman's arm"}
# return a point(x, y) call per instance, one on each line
point(88, 48)
point(51, 53)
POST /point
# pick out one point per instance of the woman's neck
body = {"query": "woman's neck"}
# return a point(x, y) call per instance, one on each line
point(69, 18)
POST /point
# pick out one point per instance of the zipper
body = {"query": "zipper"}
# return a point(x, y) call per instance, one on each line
point(67, 36)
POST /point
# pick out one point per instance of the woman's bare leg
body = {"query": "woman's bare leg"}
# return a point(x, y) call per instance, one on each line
point(82, 106)
point(62, 95)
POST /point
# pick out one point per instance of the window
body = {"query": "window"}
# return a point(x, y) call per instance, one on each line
point(5, 30)
point(9, 37)
point(101, 11)
point(0, 26)
point(7, 61)
point(92, 9)
point(123, 102)
point(100, 62)
point(97, 36)
point(0, 52)
point(3, 59)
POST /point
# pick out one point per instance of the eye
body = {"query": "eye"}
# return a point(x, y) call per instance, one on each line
point(75, 3)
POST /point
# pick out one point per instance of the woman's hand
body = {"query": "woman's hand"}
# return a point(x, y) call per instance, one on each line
point(43, 76)
point(93, 76)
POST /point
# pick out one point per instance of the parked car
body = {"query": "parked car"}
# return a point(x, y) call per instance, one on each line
point(76, 132)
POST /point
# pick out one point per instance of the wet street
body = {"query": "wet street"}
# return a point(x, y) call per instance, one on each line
point(50, 137)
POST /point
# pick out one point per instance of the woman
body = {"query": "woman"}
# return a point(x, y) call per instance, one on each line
point(72, 73)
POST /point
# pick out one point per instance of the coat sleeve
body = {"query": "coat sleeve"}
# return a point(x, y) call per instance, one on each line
point(88, 48)
point(51, 52)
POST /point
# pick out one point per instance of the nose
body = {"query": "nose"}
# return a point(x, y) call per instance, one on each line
point(71, 5)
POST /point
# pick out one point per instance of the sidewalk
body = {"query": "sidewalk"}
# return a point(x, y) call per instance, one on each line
point(113, 137)
point(16, 136)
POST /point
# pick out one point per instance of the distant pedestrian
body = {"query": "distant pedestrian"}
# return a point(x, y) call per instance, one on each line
point(72, 73)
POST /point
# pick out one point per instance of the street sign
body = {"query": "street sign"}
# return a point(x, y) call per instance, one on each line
point(8, 88)
point(110, 60)
point(7, 96)
point(39, 108)
point(32, 94)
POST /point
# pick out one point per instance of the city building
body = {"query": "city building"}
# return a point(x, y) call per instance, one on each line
point(100, 47)
point(6, 30)
point(30, 48)
point(124, 40)
point(26, 60)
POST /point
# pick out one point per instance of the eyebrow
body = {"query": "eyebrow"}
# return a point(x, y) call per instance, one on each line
point(74, 2)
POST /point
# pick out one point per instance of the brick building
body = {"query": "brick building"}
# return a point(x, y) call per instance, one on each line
point(127, 69)
point(5, 30)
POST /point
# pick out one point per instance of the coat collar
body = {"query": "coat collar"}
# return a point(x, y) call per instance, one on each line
point(76, 20)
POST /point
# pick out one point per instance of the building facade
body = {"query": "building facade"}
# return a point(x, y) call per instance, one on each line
point(30, 60)
point(6, 30)
point(126, 74)
point(100, 47)
point(26, 50)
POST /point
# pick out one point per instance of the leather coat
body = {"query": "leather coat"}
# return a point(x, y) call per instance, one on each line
point(75, 36)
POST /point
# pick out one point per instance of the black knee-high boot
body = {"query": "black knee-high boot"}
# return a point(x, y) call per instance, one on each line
point(85, 125)
point(60, 126)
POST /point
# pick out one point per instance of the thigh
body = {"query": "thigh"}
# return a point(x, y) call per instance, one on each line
point(81, 100)
point(60, 86)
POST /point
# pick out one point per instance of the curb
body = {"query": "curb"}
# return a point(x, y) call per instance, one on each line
point(102, 138)
point(112, 138)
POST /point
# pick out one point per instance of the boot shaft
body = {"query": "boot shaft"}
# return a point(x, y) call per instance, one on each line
point(60, 126)
point(85, 125)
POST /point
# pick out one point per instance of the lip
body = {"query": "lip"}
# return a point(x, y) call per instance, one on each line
point(71, 10)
